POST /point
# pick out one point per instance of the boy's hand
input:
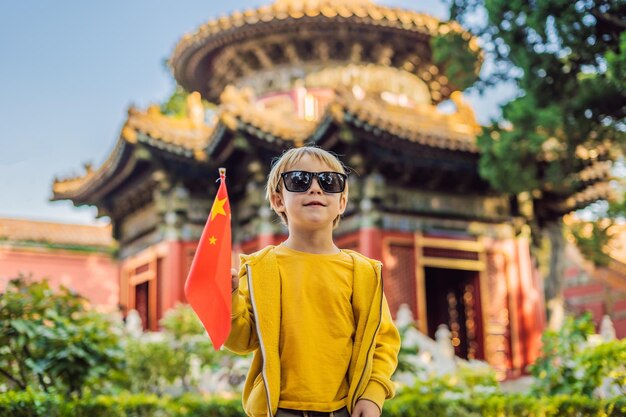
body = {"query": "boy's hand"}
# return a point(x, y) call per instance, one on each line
point(365, 408)
point(234, 279)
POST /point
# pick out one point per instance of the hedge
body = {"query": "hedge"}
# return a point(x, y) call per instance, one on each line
point(30, 404)
point(35, 404)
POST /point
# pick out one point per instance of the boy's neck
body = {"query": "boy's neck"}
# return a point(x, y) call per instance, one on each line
point(312, 242)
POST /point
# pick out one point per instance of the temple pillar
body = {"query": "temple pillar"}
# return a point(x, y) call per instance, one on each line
point(496, 311)
point(370, 233)
point(531, 304)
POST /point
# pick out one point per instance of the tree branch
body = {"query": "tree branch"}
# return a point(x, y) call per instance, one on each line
point(13, 379)
point(39, 375)
point(609, 19)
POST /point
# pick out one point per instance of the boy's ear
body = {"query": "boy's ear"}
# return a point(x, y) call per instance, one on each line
point(343, 203)
point(277, 202)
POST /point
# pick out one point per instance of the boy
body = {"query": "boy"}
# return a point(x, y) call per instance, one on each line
point(315, 316)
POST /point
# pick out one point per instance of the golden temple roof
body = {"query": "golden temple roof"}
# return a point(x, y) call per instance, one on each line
point(181, 135)
point(30, 231)
point(189, 137)
point(239, 108)
point(366, 10)
point(424, 124)
point(233, 47)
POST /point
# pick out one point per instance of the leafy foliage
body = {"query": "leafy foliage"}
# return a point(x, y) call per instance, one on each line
point(569, 98)
point(592, 239)
point(176, 104)
point(50, 340)
point(152, 365)
point(566, 368)
point(32, 404)
point(568, 62)
point(29, 404)
point(452, 52)
point(172, 360)
point(569, 365)
point(466, 383)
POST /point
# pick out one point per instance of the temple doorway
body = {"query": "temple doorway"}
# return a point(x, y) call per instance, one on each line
point(141, 303)
point(453, 299)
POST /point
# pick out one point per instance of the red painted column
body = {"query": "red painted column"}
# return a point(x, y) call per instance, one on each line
point(177, 274)
point(532, 314)
point(371, 242)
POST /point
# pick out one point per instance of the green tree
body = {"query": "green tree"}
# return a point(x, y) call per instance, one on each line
point(176, 105)
point(51, 341)
point(555, 143)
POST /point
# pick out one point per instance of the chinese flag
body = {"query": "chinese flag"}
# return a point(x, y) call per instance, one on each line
point(208, 286)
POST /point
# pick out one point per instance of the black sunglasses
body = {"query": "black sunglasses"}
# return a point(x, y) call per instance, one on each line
point(301, 181)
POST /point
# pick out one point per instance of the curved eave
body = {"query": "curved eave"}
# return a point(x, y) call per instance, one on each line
point(199, 143)
point(296, 132)
point(179, 136)
point(80, 189)
point(153, 132)
point(446, 132)
point(600, 190)
point(378, 125)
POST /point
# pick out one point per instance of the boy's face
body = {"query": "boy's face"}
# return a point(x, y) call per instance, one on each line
point(312, 209)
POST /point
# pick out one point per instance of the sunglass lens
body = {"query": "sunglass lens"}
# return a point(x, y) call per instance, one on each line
point(298, 181)
point(331, 182)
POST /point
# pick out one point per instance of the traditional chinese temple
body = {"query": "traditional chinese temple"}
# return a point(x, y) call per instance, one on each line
point(358, 79)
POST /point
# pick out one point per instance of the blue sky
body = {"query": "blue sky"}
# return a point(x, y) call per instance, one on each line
point(69, 70)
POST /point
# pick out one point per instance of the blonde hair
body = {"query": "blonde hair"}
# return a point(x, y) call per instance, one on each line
point(288, 159)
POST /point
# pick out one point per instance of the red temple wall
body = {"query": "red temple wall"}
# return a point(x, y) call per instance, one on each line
point(92, 275)
point(586, 291)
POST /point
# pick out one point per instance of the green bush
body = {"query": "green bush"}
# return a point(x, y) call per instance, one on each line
point(173, 360)
point(557, 406)
point(51, 340)
point(37, 404)
point(570, 365)
point(28, 403)
point(151, 366)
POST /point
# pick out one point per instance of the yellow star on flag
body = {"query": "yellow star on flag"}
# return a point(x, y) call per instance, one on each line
point(218, 208)
point(212, 240)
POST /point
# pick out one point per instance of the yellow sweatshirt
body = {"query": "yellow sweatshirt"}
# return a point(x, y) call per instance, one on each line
point(256, 324)
point(315, 295)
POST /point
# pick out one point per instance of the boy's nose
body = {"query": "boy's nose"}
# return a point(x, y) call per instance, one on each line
point(315, 187)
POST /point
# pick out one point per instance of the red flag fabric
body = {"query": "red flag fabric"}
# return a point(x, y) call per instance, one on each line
point(208, 286)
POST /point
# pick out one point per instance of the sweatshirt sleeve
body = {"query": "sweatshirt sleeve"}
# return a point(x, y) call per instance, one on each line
point(242, 338)
point(380, 387)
